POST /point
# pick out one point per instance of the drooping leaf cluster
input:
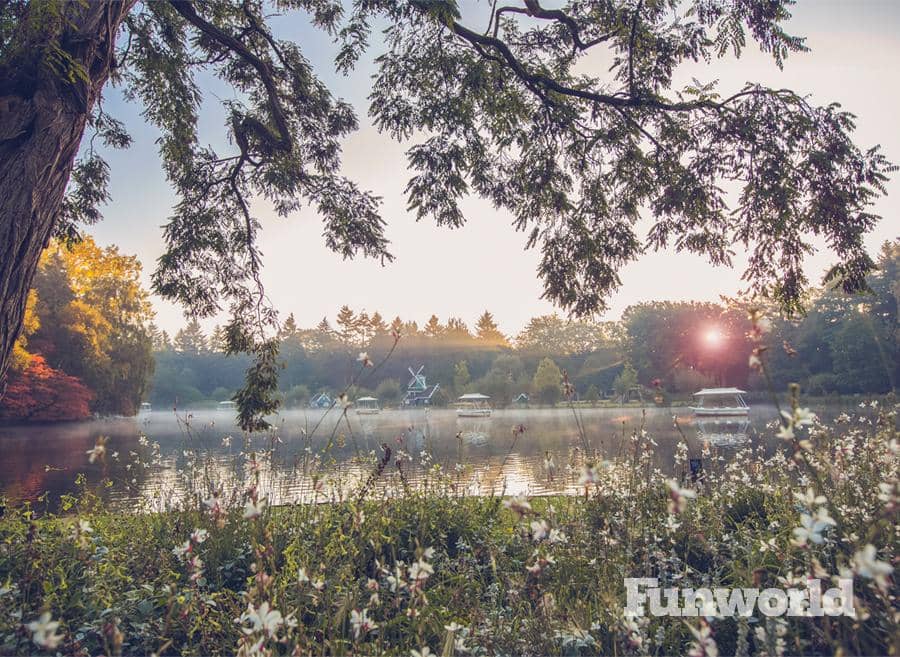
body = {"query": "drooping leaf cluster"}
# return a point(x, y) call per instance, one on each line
point(519, 113)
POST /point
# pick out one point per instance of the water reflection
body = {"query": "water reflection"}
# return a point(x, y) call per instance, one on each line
point(479, 455)
point(723, 432)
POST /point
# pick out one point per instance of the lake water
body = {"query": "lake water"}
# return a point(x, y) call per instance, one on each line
point(295, 463)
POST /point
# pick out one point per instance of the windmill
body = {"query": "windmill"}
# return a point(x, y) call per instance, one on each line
point(418, 392)
point(417, 382)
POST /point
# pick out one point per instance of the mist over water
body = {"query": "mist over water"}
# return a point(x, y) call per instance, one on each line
point(300, 461)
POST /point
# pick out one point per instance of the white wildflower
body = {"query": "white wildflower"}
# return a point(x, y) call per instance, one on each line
point(704, 645)
point(254, 509)
point(518, 504)
point(589, 475)
point(44, 631)
point(811, 527)
point(866, 564)
point(678, 496)
point(361, 623)
point(768, 545)
point(539, 530)
point(181, 550)
point(262, 619)
point(557, 536)
point(420, 570)
point(809, 498)
point(786, 432)
point(212, 504)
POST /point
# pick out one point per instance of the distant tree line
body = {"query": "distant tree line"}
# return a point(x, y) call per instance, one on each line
point(90, 346)
point(842, 344)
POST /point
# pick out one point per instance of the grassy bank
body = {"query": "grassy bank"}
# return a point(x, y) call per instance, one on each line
point(465, 575)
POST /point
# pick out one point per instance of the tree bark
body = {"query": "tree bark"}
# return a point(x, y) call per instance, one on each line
point(43, 115)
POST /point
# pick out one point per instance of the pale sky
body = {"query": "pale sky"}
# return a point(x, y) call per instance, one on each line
point(854, 60)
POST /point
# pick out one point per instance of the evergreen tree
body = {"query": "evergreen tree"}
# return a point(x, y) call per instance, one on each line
point(347, 327)
point(191, 339)
point(377, 326)
point(217, 340)
point(155, 335)
point(289, 328)
point(433, 328)
point(487, 331)
point(325, 337)
point(363, 326)
point(456, 331)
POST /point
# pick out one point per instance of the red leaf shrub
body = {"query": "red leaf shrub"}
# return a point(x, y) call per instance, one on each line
point(43, 394)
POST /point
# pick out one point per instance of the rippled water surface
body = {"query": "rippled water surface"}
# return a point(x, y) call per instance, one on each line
point(295, 463)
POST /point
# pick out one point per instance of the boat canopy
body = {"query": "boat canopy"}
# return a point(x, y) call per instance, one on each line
point(708, 392)
point(473, 396)
point(367, 399)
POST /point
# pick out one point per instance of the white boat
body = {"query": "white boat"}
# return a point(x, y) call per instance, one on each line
point(473, 404)
point(367, 406)
point(721, 402)
point(724, 431)
point(227, 406)
point(145, 409)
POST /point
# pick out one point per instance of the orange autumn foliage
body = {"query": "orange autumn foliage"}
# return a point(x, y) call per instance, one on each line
point(40, 393)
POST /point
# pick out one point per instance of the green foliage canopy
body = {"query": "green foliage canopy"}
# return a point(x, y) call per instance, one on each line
point(547, 382)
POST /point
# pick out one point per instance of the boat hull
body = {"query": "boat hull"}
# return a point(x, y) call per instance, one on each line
point(736, 411)
point(368, 411)
point(485, 412)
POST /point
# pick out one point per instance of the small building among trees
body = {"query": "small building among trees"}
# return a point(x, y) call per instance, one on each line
point(322, 400)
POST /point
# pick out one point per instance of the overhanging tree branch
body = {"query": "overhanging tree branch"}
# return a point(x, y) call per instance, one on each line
point(283, 140)
point(533, 8)
point(612, 100)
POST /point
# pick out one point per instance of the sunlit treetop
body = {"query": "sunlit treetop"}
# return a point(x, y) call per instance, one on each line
point(500, 101)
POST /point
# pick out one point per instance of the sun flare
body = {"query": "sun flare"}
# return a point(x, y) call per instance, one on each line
point(713, 337)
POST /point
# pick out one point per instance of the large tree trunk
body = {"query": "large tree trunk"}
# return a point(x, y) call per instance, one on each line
point(42, 119)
